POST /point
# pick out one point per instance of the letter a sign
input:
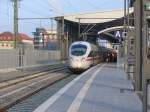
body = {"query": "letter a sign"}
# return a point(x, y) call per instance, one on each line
point(118, 35)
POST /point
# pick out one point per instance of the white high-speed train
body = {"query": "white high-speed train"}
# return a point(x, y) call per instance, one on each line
point(82, 55)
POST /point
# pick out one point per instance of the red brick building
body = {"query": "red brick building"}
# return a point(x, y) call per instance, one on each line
point(7, 40)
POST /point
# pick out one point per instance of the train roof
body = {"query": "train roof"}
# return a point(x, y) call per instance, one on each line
point(88, 44)
point(83, 42)
point(80, 42)
point(97, 17)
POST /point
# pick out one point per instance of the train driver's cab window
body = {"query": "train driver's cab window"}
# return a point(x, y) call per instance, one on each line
point(78, 50)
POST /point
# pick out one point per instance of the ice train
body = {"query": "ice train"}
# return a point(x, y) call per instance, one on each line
point(82, 55)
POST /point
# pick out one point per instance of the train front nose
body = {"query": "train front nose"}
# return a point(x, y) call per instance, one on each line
point(76, 63)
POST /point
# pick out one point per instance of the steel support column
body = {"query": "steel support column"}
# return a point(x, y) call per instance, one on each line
point(15, 23)
point(129, 36)
point(138, 45)
point(58, 33)
point(60, 36)
point(125, 36)
point(62, 39)
point(145, 95)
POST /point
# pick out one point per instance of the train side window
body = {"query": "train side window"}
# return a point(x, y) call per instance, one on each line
point(95, 53)
point(91, 54)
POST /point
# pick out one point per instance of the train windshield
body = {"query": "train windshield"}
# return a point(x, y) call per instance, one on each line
point(78, 50)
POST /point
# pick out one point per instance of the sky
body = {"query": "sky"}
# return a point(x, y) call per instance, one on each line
point(49, 8)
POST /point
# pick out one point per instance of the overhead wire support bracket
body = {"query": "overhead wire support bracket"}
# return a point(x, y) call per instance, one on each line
point(36, 18)
point(105, 18)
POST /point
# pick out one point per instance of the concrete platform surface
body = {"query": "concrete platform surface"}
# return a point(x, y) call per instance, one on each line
point(103, 88)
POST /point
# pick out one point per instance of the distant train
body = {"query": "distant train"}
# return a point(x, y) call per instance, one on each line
point(83, 55)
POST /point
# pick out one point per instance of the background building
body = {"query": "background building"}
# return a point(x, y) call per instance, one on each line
point(7, 40)
point(38, 36)
point(45, 39)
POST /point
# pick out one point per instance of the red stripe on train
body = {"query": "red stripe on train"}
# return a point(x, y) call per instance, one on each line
point(89, 59)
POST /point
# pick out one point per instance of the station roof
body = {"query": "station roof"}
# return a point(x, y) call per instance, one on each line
point(97, 17)
point(114, 28)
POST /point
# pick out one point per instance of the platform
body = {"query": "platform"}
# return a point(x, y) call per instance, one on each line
point(103, 88)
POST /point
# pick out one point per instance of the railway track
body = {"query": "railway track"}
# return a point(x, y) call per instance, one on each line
point(13, 81)
point(46, 68)
point(16, 90)
point(31, 103)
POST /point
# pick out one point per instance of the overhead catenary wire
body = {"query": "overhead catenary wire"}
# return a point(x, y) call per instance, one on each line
point(7, 7)
point(47, 6)
point(22, 8)
point(6, 11)
point(43, 5)
point(31, 11)
point(92, 5)
point(40, 23)
point(72, 6)
point(5, 14)
point(53, 8)
point(50, 7)
point(101, 6)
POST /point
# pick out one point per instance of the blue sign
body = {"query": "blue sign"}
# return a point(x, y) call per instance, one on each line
point(118, 34)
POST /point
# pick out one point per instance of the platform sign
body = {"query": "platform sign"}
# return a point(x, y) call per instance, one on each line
point(119, 34)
